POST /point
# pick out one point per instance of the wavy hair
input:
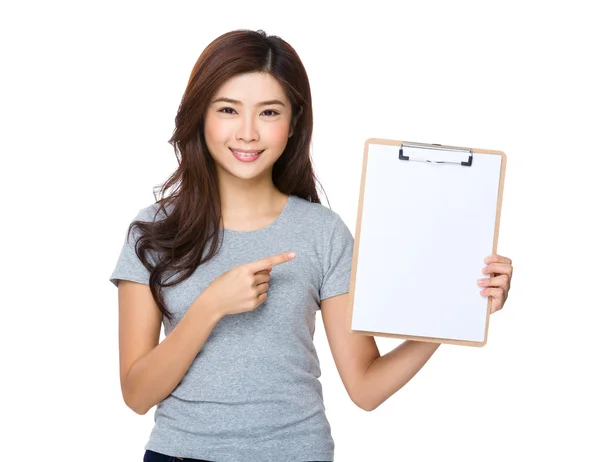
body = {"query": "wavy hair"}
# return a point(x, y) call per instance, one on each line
point(185, 237)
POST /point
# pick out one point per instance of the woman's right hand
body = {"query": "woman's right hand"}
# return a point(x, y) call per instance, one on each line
point(244, 287)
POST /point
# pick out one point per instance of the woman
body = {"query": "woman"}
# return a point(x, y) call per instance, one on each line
point(237, 376)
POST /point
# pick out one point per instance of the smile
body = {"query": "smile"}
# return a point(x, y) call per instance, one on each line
point(246, 156)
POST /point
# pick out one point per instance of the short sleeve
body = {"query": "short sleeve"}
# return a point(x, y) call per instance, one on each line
point(338, 261)
point(129, 266)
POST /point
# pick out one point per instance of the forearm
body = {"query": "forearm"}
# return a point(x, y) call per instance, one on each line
point(154, 376)
point(390, 372)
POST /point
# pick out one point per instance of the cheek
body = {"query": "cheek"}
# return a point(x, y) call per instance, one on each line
point(278, 133)
point(214, 130)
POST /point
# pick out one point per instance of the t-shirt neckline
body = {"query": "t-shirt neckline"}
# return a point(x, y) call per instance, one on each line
point(270, 227)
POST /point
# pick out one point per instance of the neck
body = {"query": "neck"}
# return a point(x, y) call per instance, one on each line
point(245, 199)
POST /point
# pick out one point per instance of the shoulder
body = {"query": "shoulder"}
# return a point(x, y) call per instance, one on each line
point(153, 212)
point(326, 227)
point(318, 214)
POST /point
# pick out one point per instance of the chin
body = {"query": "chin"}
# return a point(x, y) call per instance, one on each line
point(247, 172)
point(252, 169)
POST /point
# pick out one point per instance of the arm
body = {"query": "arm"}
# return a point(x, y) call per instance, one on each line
point(150, 371)
point(390, 372)
point(369, 378)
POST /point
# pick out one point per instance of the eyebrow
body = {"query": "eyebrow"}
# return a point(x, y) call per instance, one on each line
point(234, 101)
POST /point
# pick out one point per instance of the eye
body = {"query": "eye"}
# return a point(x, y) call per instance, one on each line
point(223, 109)
point(271, 110)
point(227, 109)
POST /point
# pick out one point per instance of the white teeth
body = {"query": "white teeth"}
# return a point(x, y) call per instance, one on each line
point(244, 154)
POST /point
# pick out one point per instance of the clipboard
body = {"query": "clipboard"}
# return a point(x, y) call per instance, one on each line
point(428, 215)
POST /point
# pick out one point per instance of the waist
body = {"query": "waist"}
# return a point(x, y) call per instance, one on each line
point(223, 430)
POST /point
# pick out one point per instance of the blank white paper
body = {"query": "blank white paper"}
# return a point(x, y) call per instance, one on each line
point(425, 231)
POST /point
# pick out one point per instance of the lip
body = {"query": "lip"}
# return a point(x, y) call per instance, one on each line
point(247, 151)
point(249, 156)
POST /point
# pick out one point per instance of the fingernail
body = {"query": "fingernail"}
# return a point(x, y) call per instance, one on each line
point(487, 259)
point(291, 254)
point(481, 282)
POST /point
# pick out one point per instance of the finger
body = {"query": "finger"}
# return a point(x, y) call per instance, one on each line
point(498, 281)
point(497, 295)
point(497, 268)
point(495, 292)
point(503, 270)
point(261, 298)
point(497, 259)
point(270, 262)
point(262, 288)
point(261, 277)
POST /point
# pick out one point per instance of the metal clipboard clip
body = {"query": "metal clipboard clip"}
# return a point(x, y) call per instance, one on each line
point(437, 147)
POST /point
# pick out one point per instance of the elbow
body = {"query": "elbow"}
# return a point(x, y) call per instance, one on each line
point(365, 404)
point(134, 404)
point(135, 407)
point(133, 396)
point(368, 406)
point(138, 410)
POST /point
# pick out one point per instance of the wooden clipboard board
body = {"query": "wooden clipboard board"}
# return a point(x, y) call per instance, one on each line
point(402, 204)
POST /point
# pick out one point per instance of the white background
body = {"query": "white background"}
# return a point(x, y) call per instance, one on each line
point(89, 93)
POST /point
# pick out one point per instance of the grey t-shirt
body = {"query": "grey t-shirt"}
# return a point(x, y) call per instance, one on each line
point(253, 392)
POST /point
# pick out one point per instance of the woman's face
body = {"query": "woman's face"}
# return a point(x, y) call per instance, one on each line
point(250, 112)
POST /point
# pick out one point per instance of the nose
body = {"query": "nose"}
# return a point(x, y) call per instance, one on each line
point(247, 131)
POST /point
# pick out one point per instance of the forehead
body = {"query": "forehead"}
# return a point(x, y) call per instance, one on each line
point(253, 86)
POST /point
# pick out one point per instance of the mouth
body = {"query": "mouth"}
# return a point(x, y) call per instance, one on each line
point(246, 156)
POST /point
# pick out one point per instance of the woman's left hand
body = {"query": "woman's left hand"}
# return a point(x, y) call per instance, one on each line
point(498, 284)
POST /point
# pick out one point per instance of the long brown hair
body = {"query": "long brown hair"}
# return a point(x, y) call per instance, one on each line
point(185, 237)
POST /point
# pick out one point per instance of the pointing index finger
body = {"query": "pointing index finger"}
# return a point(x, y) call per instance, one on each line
point(269, 262)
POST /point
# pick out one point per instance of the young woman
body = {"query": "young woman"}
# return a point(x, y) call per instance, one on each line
point(237, 376)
